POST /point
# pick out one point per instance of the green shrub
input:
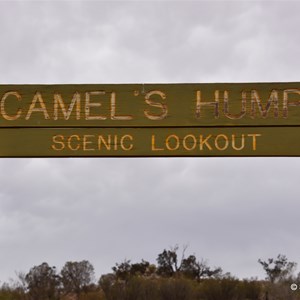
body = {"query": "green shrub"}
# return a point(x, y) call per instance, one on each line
point(216, 289)
point(176, 289)
point(249, 290)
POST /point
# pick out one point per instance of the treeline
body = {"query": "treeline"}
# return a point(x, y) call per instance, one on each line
point(173, 277)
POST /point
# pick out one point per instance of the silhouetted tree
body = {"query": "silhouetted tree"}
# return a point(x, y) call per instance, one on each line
point(77, 276)
point(122, 270)
point(194, 269)
point(168, 263)
point(106, 283)
point(125, 270)
point(278, 269)
point(43, 282)
point(139, 268)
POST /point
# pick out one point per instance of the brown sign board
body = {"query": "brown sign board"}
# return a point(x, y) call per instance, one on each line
point(149, 120)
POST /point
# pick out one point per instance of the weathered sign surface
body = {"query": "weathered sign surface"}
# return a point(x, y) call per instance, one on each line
point(211, 119)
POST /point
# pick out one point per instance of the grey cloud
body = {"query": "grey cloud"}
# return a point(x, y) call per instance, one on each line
point(154, 205)
point(148, 41)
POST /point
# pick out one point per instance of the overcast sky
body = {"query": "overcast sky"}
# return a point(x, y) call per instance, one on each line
point(230, 211)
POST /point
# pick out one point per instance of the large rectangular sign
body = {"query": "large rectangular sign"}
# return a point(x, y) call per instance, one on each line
point(212, 119)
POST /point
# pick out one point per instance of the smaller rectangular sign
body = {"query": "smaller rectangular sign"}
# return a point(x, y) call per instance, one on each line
point(153, 142)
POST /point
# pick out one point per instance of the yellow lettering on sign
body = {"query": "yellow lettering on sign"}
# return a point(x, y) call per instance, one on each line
point(106, 142)
point(189, 142)
point(59, 103)
point(58, 141)
point(255, 99)
point(172, 142)
point(220, 142)
point(91, 142)
point(2, 106)
point(73, 142)
point(126, 142)
point(89, 105)
point(113, 115)
point(101, 105)
point(200, 104)
point(286, 101)
point(153, 144)
point(88, 142)
point(205, 142)
point(226, 107)
point(162, 106)
point(254, 136)
point(223, 145)
point(37, 99)
point(234, 143)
